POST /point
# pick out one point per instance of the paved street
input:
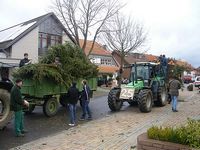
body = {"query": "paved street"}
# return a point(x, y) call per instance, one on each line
point(40, 126)
point(116, 130)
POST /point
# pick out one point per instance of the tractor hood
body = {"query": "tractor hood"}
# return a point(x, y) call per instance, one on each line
point(137, 85)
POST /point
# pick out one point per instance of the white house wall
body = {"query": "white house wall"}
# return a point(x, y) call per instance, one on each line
point(65, 38)
point(27, 44)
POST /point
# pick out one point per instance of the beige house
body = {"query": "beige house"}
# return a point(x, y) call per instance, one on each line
point(33, 37)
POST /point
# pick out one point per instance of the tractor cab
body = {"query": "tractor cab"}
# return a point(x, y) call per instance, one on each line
point(144, 74)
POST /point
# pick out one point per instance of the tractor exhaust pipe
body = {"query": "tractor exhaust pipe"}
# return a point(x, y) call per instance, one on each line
point(133, 78)
point(135, 72)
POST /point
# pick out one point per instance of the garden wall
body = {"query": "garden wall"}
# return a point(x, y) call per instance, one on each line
point(144, 143)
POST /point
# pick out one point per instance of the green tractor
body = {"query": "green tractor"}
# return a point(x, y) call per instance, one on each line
point(146, 86)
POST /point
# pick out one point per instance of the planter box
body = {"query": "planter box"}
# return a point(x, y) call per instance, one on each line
point(144, 143)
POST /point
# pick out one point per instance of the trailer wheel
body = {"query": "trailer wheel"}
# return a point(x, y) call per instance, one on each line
point(5, 113)
point(50, 107)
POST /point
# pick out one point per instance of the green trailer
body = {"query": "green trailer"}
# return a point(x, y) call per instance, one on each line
point(47, 93)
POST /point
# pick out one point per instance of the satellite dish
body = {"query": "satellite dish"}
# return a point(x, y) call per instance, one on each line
point(3, 55)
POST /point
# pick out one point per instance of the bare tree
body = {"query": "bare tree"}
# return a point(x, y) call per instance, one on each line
point(124, 36)
point(84, 18)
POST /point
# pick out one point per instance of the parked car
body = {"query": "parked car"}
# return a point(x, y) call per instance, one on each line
point(187, 79)
point(193, 79)
point(197, 82)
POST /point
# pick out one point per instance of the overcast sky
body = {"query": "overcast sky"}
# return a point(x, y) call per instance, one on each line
point(173, 25)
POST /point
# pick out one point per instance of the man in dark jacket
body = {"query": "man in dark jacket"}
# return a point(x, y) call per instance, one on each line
point(24, 61)
point(85, 99)
point(17, 104)
point(164, 65)
point(73, 96)
point(174, 86)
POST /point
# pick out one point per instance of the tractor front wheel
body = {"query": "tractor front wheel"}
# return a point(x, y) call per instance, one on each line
point(146, 101)
point(50, 107)
point(114, 102)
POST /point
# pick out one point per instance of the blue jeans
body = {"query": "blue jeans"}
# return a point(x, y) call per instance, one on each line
point(174, 102)
point(72, 112)
point(86, 109)
point(155, 87)
point(165, 71)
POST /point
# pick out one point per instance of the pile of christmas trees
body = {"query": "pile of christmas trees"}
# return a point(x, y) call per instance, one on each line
point(73, 65)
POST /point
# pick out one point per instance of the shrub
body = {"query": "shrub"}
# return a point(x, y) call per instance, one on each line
point(187, 135)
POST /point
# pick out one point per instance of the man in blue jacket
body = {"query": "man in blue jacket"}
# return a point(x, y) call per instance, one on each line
point(85, 99)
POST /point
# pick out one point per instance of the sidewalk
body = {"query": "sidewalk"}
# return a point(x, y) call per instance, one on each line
point(120, 130)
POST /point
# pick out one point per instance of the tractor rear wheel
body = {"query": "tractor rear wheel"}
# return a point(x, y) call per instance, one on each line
point(146, 101)
point(50, 107)
point(5, 113)
point(162, 97)
point(114, 102)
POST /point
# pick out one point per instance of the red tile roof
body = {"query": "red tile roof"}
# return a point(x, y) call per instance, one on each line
point(151, 58)
point(97, 50)
point(132, 58)
point(108, 69)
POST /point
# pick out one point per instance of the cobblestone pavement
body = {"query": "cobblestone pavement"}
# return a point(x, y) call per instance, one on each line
point(119, 130)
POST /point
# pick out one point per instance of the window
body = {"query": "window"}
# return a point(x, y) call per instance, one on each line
point(95, 60)
point(106, 61)
point(42, 40)
point(53, 40)
point(142, 72)
point(47, 40)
